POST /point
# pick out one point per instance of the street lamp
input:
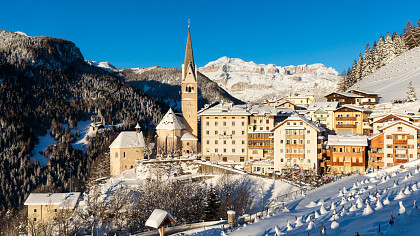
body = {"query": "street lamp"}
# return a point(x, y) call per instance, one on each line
point(262, 197)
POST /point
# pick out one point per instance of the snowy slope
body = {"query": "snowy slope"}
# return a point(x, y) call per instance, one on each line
point(103, 65)
point(362, 219)
point(252, 82)
point(391, 81)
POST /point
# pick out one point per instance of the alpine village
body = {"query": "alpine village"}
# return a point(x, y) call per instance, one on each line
point(90, 149)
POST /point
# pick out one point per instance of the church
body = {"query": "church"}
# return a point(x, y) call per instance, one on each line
point(177, 134)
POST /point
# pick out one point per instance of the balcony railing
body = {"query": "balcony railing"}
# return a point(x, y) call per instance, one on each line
point(347, 126)
point(346, 118)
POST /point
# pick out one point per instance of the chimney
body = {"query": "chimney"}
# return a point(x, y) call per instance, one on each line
point(138, 128)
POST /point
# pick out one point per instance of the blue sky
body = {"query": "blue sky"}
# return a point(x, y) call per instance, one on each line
point(149, 33)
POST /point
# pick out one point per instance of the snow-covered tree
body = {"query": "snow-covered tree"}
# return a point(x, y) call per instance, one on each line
point(388, 50)
point(411, 94)
point(367, 65)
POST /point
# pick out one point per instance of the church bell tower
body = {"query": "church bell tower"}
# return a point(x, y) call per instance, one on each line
point(189, 89)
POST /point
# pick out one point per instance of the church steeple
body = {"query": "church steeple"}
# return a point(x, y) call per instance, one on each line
point(189, 57)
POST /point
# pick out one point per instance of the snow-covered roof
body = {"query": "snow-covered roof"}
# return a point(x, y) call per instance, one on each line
point(377, 117)
point(128, 139)
point(187, 136)
point(226, 109)
point(296, 117)
point(326, 106)
point(170, 122)
point(357, 108)
point(347, 140)
point(262, 110)
point(159, 218)
point(362, 91)
point(350, 95)
point(389, 124)
point(64, 200)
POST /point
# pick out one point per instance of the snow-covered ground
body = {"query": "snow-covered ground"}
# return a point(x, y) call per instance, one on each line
point(250, 82)
point(361, 202)
point(391, 81)
point(44, 141)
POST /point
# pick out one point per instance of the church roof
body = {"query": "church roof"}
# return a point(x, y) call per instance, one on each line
point(128, 139)
point(187, 136)
point(189, 57)
point(170, 122)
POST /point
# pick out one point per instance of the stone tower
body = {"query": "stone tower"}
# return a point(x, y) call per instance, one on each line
point(189, 90)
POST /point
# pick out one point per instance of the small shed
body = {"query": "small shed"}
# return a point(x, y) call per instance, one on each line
point(158, 219)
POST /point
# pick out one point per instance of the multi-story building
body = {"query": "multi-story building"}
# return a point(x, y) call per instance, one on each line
point(125, 150)
point(297, 143)
point(45, 208)
point(344, 98)
point(378, 120)
point(398, 142)
point(224, 133)
point(352, 120)
point(347, 154)
point(285, 104)
point(323, 113)
point(260, 137)
point(301, 101)
point(369, 98)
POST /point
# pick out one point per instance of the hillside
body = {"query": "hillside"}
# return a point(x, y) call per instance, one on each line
point(164, 84)
point(392, 80)
point(46, 86)
point(253, 82)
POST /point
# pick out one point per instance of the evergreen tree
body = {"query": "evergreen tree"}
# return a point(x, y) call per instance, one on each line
point(388, 50)
point(212, 204)
point(410, 36)
point(367, 66)
point(411, 94)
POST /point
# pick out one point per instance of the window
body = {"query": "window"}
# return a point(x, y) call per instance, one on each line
point(281, 140)
point(301, 151)
point(207, 132)
point(241, 159)
point(341, 149)
point(287, 141)
point(243, 150)
point(208, 142)
point(124, 155)
point(233, 142)
point(287, 132)
point(224, 132)
point(55, 210)
point(188, 144)
point(389, 146)
point(308, 151)
point(388, 137)
point(308, 141)
point(216, 132)
point(301, 141)
point(309, 160)
point(308, 131)
point(224, 123)
point(116, 155)
point(224, 149)
point(243, 123)
point(243, 141)
point(207, 123)
point(34, 219)
point(267, 121)
point(216, 123)
point(233, 123)
point(399, 128)
point(281, 159)
point(216, 142)
point(281, 151)
point(34, 210)
point(233, 132)
point(216, 150)
point(294, 141)
point(243, 132)
point(260, 121)
point(288, 123)
point(207, 149)
point(357, 115)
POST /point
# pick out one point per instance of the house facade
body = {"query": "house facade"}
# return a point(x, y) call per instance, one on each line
point(297, 143)
point(224, 133)
point(323, 113)
point(347, 154)
point(352, 120)
point(125, 150)
point(398, 142)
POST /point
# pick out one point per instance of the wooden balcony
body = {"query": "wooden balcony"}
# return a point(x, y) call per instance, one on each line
point(345, 118)
point(343, 126)
point(378, 163)
point(377, 154)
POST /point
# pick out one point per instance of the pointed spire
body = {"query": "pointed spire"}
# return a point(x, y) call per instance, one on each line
point(189, 58)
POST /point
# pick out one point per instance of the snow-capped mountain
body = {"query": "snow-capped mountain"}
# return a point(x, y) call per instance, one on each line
point(103, 65)
point(392, 80)
point(253, 82)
